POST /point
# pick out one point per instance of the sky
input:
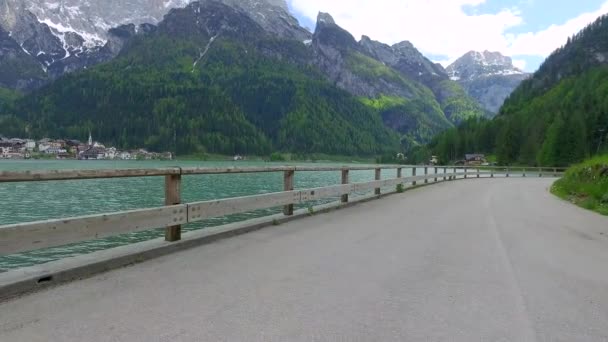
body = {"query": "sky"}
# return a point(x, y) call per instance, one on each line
point(444, 30)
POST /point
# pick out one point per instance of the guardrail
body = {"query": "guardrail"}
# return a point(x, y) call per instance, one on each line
point(17, 238)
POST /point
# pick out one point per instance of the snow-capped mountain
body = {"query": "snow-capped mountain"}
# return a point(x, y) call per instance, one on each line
point(68, 35)
point(489, 77)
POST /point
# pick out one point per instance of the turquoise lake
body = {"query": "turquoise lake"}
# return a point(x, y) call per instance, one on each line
point(34, 201)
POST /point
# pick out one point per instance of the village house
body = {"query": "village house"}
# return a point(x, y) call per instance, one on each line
point(111, 153)
point(475, 159)
point(55, 150)
point(93, 153)
point(46, 143)
point(125, 155)
point(30, 145)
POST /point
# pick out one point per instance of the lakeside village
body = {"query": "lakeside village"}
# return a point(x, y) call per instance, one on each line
point(16, 148)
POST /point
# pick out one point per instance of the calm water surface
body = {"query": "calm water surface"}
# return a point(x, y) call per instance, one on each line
point(33, 201)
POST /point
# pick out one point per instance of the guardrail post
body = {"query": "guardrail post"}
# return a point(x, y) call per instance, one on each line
point(445, 172)
point(426, 173)
point(288, 183)
point(378, 177)
point(507, 172)
point(524, 171)
point(454, 177)
point(436, 179)
point(491, 173)
point(173, 184)
point(345, 181)
point(478, 174)
point(414, 175)
point(465, 172)
point(554, 172)
point(540, 172)
point(399, 172)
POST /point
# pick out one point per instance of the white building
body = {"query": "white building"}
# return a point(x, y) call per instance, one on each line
point(30, 145)
point(125, 155)
point(111, 153)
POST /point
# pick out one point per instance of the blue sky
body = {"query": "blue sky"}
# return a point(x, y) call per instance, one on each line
point(527, 30)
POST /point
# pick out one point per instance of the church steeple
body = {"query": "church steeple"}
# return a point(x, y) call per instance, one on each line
point(90, 139)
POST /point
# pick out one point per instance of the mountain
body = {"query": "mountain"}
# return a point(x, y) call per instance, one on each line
point(279, 85)
point(207, 79)
point(71, 35)
point(556, 117)
point(413, 95)
point(489, 77)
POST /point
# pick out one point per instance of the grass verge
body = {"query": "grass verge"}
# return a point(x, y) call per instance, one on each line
point(586, 185)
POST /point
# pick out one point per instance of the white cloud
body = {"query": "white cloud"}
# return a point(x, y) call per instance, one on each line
point(544, 42)
point(520, 64)
point(442, 28)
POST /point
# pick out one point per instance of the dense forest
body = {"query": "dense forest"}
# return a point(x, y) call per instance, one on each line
point(556, 118)
point(234, 99)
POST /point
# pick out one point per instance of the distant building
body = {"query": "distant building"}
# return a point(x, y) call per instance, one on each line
point(30, 145)
point(111, 153)
point(475, 159)
point(125, 155)
point(55, 150)
point(93, 153)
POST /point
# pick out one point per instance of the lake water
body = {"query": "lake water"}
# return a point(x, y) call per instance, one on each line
point(34, 201)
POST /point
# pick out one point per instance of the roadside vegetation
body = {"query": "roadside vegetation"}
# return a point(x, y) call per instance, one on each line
point(586, 185)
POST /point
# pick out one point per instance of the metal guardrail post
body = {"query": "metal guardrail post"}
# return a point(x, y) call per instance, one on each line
point(478, 174)
point(507, 172)
point(173, 184)
point(436, 179)
point(492, 173)
point(465, 172)
point(445, 172)
point(399, 173)
point(426, 173)
point(414, 171)
point(288, 185)
point(378, 191)
point(345, 180)
point(524, 173)
point(454, 176)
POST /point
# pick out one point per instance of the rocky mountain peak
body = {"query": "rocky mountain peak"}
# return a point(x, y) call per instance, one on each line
point(403, 57)
point(489, 77)
point(325, 19)
point(207, 19)
point(476, 64)
point(273, 16)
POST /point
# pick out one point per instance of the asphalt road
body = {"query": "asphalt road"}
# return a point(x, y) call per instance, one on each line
point(476, 260)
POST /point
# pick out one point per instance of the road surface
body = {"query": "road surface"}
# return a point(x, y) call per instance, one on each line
point(476, 260)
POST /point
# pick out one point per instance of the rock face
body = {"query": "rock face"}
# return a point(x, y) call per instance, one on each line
point(18, 69)
point(489, 77)
point(405, 58)
point(274, 17)
point(338, 55)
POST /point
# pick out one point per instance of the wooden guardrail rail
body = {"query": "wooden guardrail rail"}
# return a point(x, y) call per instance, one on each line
point(22, 237)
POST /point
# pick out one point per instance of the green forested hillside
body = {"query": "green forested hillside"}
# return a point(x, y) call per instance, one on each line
point(234, 100)
point(556, 118)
